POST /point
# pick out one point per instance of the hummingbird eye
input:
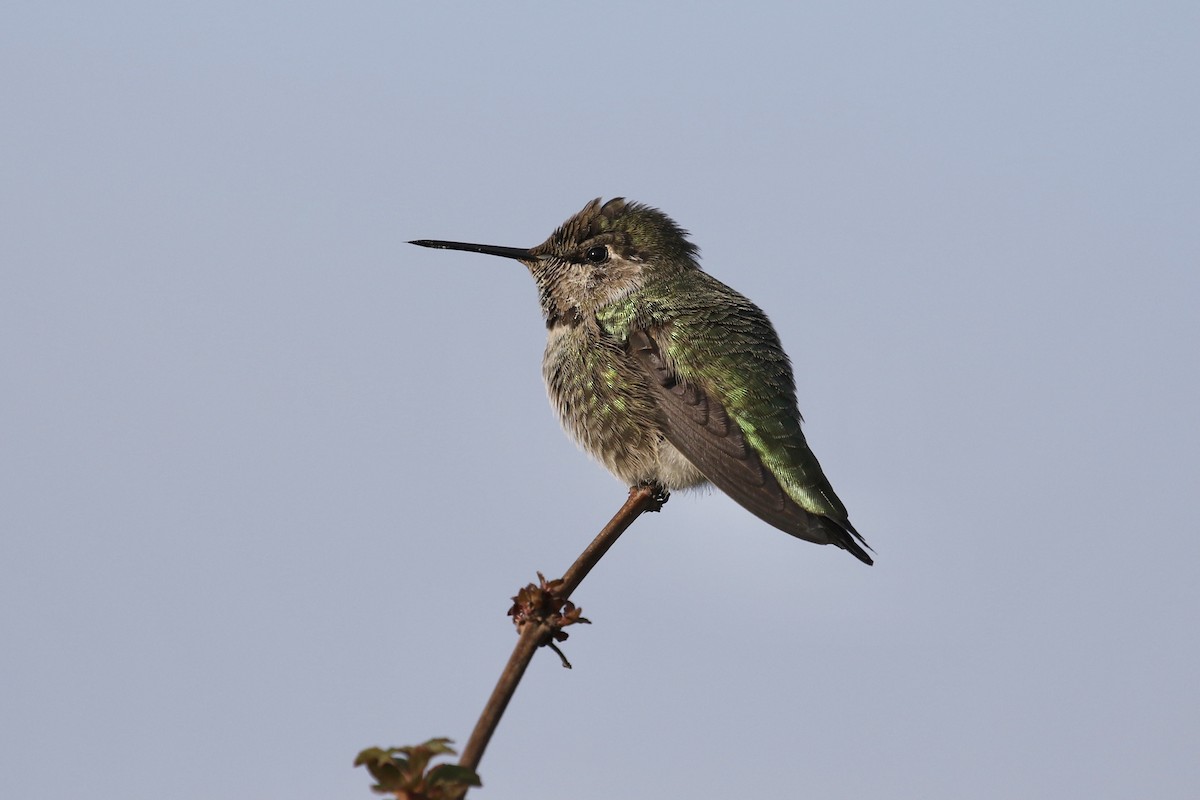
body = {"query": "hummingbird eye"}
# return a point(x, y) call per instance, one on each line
point(596, 255)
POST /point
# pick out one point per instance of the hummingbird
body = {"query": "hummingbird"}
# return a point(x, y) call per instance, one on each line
point(667, 376)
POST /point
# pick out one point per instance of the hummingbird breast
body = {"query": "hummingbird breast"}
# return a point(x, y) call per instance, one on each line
point(604, 403)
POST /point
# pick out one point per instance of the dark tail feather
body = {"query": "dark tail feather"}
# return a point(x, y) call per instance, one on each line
point(844, 536)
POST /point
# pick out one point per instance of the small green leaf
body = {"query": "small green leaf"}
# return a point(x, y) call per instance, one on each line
point(370, 756)
point(440, 746)
point(390, 773)
point(453, 774)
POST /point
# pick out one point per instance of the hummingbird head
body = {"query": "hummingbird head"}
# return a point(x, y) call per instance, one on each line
point(597, 257)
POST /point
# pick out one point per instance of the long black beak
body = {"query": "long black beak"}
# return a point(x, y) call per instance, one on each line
point(519, 253)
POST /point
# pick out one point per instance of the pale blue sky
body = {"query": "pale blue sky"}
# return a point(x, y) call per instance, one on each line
point(270, 474)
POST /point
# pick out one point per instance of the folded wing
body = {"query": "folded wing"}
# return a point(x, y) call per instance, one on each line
point(700, 427)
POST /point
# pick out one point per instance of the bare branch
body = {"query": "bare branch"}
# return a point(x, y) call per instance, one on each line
point(641, 499)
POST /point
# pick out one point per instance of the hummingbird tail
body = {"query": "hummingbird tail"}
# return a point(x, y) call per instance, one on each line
point(843, 534)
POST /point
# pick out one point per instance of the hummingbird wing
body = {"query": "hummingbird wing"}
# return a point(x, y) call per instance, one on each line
point(700, 426)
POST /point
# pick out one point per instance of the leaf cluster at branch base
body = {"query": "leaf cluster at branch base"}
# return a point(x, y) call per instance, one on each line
point(401, 771)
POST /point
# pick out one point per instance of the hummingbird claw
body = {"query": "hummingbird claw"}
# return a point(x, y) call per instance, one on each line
point(659, 497)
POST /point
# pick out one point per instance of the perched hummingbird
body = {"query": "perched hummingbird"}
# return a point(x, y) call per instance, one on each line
point(669, 377)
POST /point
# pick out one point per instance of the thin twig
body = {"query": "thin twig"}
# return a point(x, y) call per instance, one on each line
point(641, 498)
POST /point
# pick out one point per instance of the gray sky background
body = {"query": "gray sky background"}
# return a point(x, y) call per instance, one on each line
point(270, 474)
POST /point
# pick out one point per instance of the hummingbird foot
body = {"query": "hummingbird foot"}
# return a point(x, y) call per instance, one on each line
point(661, 495)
